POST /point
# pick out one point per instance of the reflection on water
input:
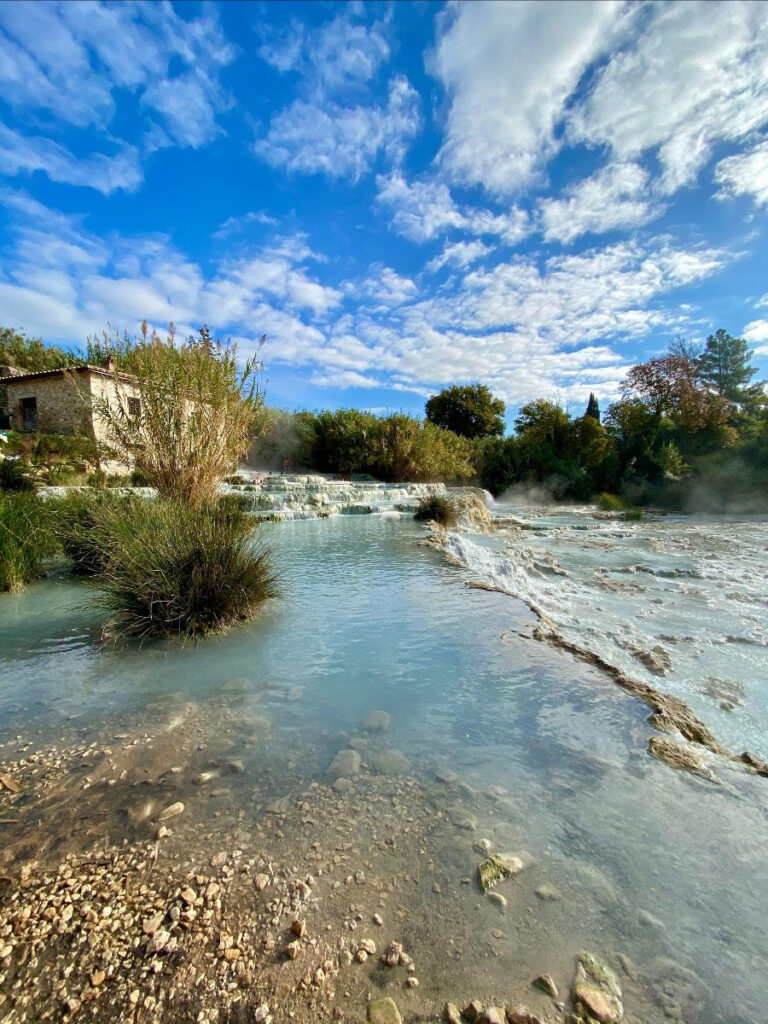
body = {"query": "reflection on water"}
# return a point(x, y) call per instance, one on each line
point(551, 759)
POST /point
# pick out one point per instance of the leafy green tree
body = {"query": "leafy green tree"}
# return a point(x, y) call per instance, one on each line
point(497, 463)
point(593, 409)
point(32, 354)
point(467, 410)
point(724, 367)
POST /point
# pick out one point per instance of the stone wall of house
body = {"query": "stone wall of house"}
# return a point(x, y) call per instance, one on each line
point(6, 371)
point(64, 403)
point(106, 390)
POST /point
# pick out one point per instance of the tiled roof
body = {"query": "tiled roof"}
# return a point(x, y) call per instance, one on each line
point(82, 368)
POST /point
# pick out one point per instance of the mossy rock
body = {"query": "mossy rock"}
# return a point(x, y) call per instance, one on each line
point(596, 991)
point(384, 1011)
point(498, 867)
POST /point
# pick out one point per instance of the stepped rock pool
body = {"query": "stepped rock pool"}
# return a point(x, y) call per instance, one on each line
point(382, 727)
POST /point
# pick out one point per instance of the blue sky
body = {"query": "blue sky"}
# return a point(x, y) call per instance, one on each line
point(533, 195)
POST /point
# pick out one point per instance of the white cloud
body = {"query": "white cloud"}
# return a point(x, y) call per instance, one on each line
point(334, 127)
point(459, 254)
point(525, 328)
point(315, 137)
point(617, 196)
point(386, 287)
point(695, 74)
point(344, 379)
point(19, 154)
point(337, 55)
point(234, 225)
point(529, 330)
point(745, 174)
point(422, 210)
point(755, 333)
point(188, 105)
point(509, 69)
point(65, 283)
point(62, 64)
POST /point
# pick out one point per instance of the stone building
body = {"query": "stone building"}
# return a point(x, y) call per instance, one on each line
point(67, 401)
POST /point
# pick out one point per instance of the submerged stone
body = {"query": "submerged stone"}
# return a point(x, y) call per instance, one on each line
point(171, 811)
point(596, 991)
point(377, 721)
point(384, 1011)
point(498, 867)
point(345, 764)
point(392, 762)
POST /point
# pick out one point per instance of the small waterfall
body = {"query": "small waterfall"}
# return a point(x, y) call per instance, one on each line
point(312, 496)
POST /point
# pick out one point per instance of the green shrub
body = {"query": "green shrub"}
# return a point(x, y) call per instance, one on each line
point(178, 571)
point(26, 538)
point(439, 509)
point(611, 503)
point(632, 515)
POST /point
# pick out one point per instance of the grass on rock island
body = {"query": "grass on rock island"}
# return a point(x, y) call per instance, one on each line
point(439, 509)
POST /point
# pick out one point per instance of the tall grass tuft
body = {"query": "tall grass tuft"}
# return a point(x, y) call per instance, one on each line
point(173, 570)
point(611, 502)
point(442, 511)
point(79, 521)
point(26, 539)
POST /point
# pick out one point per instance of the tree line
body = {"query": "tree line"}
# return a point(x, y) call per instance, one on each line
point(690, 427)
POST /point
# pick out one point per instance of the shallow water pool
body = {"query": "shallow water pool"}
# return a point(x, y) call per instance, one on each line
point(665, 868)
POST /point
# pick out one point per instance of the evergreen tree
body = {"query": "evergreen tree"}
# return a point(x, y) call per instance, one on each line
point(724, 367)
point(593, 409)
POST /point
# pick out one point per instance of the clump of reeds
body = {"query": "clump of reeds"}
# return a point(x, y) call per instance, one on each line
point(26, 538)
point(439, 509)
point(611, 502)
point(82, 522)
point(172, 570)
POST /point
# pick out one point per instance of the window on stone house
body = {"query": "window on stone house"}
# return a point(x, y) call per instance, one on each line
point(134, 408)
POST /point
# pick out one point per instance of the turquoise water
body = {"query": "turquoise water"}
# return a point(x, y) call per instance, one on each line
point(653, 863)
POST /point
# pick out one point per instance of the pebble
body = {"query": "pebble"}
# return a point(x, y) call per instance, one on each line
point(171, 811)
point(492, 1015)
point(546, 984)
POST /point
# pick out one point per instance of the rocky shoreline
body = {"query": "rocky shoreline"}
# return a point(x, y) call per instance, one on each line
point(669, 714)
point(134, 886)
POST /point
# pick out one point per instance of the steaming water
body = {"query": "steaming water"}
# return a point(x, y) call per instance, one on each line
point(371, 620)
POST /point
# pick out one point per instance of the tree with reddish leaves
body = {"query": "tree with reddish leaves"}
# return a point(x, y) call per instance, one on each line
point(671, 386)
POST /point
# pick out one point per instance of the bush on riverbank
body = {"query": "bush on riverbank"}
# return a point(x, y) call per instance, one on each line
point(395, 448)
point(172, 570)
point(440, 510)
point(26, 539)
